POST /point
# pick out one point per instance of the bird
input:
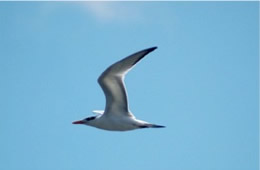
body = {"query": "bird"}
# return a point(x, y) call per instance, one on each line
point(117, 115)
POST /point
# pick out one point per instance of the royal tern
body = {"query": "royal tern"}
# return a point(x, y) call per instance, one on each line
point(117, 116)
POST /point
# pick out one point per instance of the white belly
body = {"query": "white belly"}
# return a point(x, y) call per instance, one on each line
point(116, 123)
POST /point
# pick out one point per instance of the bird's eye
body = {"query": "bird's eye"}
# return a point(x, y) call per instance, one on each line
point(90, 118)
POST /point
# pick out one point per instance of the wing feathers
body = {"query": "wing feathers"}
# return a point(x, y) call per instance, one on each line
point(112, 82)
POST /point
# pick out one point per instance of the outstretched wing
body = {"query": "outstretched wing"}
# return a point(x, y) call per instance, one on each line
point(98, 112)
point(112, 82)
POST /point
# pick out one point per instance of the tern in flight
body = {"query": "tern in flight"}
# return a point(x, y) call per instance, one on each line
point(117, 116)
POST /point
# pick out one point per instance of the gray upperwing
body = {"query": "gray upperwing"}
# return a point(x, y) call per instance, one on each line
point(112, 82)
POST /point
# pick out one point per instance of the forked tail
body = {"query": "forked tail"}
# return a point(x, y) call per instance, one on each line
point(151, 126)
point(157, 126)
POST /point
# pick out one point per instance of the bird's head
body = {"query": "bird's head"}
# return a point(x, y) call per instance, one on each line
point(85, 121)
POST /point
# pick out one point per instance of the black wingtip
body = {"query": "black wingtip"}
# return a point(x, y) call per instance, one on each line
point(148, 50)
point(152, 48)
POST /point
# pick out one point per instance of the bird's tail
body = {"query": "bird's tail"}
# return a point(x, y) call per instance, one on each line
point(152, 126)
point(156, 126)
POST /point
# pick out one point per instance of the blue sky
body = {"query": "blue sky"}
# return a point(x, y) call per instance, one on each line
point(202, 83)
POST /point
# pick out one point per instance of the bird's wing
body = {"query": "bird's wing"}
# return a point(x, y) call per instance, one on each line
point(98, 112)
point(112, 83)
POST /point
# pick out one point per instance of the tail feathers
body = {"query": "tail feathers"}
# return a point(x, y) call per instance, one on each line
point(157, 126)
point(151, 126)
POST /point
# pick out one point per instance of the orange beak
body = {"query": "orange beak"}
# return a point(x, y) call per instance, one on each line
point(78, 122)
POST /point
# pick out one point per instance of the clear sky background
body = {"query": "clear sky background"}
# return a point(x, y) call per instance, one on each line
point(201, 82)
